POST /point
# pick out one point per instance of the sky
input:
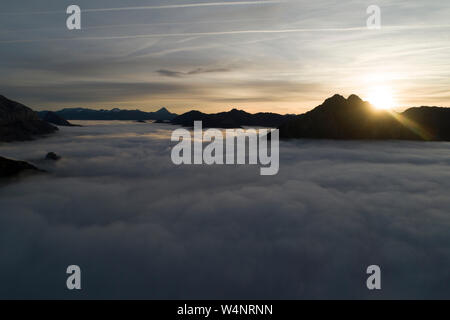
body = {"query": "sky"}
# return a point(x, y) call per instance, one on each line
point(141, 227)
point(278, 56)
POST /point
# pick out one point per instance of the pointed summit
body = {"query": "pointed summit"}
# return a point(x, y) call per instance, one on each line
point(353, 98)
point(335, 101)
point(163, 110)
point(335, 98)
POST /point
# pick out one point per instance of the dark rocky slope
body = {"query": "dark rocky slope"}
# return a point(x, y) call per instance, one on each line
point(10, 168)
point(54, 118)
point(18, 122)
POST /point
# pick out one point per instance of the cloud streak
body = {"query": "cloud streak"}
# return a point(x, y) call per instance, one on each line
point(177, 74)
point(225, 33)
point(159, 7)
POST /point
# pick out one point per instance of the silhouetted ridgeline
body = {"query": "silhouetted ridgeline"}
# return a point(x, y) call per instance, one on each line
point(18, 122)
point(232, 119)
point(54, 118)
point(335, 118)
point(353, 118)
point(435, 120)
point(114, 114)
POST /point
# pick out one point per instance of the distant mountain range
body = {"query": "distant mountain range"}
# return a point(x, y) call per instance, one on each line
point(353, 118)
point(113, 114)
point(232, 119)
point(336, 118)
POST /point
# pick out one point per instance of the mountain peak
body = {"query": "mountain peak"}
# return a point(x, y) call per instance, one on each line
point(235, 110)
point(354, 98)
point(335, 99)
point(163, 110)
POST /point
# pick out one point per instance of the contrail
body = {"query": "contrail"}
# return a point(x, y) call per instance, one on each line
point(138, 25)
point(172, 6)
point(188, 34)
point(189, 5)
point(220, 33)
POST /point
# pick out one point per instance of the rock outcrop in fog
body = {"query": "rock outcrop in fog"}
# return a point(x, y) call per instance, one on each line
point(10, 168)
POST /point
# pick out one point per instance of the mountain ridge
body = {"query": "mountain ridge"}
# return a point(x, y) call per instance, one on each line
point(55, 119)
point(336, 118)
point(353, 118)
point(231, 119)
point(112, 114)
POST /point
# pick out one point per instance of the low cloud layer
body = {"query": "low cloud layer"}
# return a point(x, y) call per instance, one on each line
point(140, 227)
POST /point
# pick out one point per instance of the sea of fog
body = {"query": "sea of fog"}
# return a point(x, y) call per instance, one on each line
point(141, 227)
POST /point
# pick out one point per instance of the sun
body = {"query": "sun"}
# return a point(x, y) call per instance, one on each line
point(381, 98)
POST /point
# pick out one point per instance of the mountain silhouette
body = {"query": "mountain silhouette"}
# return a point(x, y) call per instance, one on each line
point(54, 118)
point(353, 118)
point(231, 119)
point(113, 114)
point(434, 120)
point(18, 122)
point(336, 118)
